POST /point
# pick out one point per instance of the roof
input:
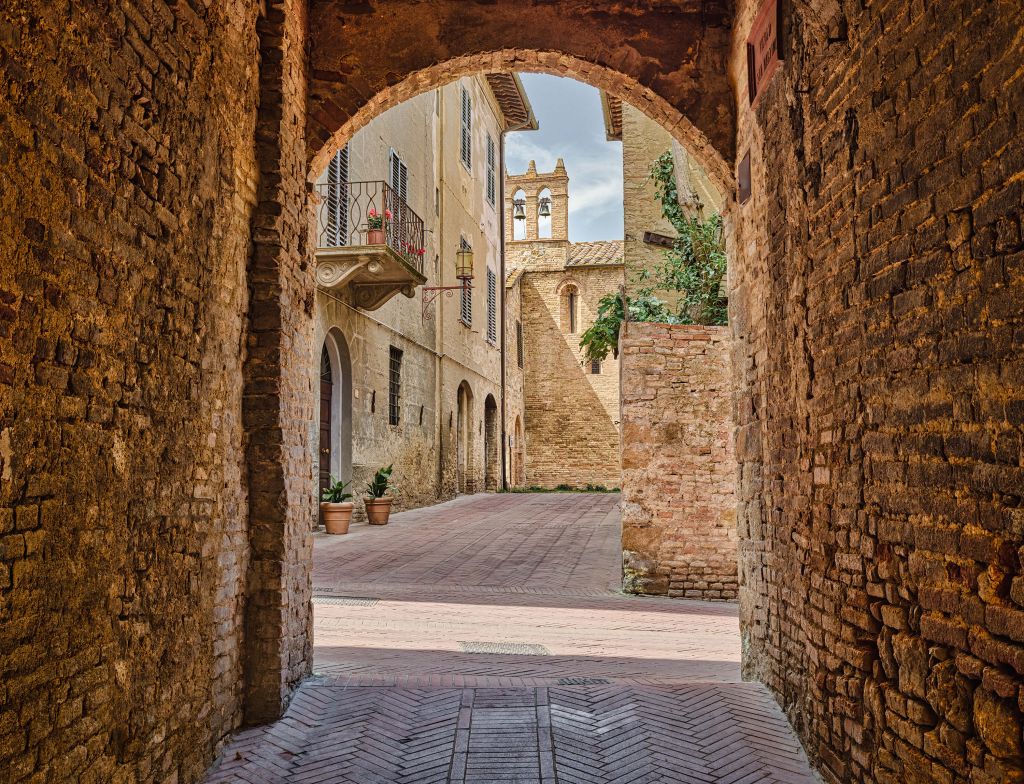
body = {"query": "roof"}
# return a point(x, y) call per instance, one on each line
point(611, 108)
point(511, 96)
point(603, 253)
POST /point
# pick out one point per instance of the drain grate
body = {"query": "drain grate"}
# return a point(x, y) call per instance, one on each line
point(509, 648)
point(357, 601)
point(581, 681)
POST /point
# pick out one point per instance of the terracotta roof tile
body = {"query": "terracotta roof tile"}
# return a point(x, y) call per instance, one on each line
point(595, 254)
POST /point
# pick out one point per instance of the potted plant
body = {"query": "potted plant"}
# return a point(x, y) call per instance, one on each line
point(375, 226)
point(336, 507)
point(378, 502)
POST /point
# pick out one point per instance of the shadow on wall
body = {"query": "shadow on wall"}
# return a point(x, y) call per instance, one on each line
point(570, 436)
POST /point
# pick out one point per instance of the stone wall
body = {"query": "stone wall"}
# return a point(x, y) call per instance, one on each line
point(572, 415)
point(876, 302)
point(127, 182)
point(679, 533)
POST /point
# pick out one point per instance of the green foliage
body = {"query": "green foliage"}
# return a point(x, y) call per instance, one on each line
point(696, 264)
point(381, 483)
point(693, 267)
point(335, 493)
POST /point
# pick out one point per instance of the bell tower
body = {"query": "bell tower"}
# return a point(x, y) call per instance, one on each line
point(533, 197)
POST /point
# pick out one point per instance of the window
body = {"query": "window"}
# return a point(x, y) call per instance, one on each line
point(519, 343)
point(336, 230)
point(492, 306)
point(394, 385)
point(595, 367)
point(398, 176)
point(398, 179)
point(491, 178)
point(466, 305)
point(466, 139)
point(571, 303)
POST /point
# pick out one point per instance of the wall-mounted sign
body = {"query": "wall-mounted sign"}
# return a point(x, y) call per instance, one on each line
point(764, 52)
point(743, 179)
point(653, 238)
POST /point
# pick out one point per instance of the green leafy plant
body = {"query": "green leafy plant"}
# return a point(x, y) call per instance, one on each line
point(335, 493)
point(381, 483)
point(693, 268)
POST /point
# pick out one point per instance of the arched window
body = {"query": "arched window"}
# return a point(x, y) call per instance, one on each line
point(570, 309)
point(544, 214)
point(519, 215)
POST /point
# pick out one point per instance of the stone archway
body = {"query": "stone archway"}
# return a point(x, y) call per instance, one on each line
point(669, 63)
point(465, 443)
point(492, 455)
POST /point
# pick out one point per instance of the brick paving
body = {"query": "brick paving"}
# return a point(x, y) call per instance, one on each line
point(585, 684)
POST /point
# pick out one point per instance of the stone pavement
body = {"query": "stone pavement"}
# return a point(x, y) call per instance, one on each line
point(482, 640)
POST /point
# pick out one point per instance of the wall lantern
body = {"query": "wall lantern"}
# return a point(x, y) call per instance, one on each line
point(464, 263)
point(463, 271)
point(519, 209)
point(545, 207)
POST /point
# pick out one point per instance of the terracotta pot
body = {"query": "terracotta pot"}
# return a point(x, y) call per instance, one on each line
point(378, 510)
point(375, 237)
point(337, 516)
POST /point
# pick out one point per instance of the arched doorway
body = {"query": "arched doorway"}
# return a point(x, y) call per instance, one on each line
point(491, 456)
point(308, 121)
point(326, 419)
point(465, 481)
point(334, 445)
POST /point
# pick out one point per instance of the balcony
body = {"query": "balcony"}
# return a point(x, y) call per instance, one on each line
point(373, 265)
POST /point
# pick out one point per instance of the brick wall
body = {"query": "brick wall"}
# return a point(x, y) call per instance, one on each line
point(876, 301)
point(127, 182)
point(679, 532)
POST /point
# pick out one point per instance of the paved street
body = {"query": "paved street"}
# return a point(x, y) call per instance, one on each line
point(483, 640)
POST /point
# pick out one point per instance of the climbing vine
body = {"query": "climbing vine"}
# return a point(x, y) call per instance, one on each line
point(693, 268)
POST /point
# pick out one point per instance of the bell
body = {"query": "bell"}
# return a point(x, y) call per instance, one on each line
point(519, 209)
point(464, 263)
point(545, 207)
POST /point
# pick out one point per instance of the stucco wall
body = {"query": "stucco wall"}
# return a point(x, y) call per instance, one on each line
point(679, 534)
point(439, 352)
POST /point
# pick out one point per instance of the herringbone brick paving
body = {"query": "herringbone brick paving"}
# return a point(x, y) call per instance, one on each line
point(396, 699)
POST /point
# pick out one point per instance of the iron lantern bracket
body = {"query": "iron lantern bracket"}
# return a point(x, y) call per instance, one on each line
point(430, 293)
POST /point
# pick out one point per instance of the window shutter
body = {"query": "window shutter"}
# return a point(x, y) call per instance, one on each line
point(337, 199)
point(492, 306)
point(490, 171)
point(467, 128)
point(466, 303)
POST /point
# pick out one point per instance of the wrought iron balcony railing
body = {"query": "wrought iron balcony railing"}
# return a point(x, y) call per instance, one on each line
point(345, 214)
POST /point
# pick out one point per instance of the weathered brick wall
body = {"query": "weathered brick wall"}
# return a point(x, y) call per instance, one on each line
point(678, 466)
point(127, 182)
point(877, 305)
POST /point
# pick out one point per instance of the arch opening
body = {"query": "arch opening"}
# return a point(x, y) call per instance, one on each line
point(492, 459)
point(464, 441)
point(335, 444)
point(712, 148)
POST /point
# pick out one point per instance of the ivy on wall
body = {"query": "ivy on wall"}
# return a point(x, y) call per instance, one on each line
point(693, 268)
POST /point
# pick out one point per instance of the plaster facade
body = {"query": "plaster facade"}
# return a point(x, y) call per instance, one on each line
point(435, 451)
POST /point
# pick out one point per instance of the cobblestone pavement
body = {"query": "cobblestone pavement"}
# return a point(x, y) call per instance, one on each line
point(483, 640)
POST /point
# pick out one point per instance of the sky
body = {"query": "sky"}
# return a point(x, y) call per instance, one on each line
point(572, 128)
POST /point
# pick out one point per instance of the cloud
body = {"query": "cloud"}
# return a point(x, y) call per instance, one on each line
point(572, 128)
